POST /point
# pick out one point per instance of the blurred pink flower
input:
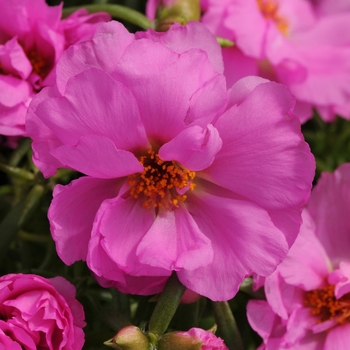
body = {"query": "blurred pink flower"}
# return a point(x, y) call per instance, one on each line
point(181, 174)
point(39, 313)
point(302, 44)
point(308, 296)
point(32, 37)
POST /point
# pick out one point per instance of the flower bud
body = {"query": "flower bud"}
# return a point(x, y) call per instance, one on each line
point(194, 339)
point(180, 11)
point(129, 338)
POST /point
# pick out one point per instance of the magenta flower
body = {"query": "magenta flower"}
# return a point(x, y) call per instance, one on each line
point(32, 37)
point(297, 43)
point(308, 297)
point(181, 174)
point(39, 313)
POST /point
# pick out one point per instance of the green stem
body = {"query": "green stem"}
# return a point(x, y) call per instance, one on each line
point(227, 325)
point(17, 172)
point(116, 11)
point(166, 306)
point(33, 237)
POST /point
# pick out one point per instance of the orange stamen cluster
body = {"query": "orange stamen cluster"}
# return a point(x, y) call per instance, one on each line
point(39, 64)
point(270, 11)
point(160, 181)
point(324, 305)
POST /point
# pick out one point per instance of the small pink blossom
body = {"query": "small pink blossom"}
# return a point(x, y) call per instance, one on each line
point(39, 313)
point(32, 37)
point(308, 296)
point(181, 174)
point(302, 44)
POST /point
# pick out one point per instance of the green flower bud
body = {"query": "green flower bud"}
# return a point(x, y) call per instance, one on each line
point(180, 11)
point(129, 338)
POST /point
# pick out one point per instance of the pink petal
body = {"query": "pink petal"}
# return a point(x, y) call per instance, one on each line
point(343, 284)
point(14, 60)
point(208, 103)
point(13, 91)
point(68, 291)
point(175, 242)
point(72, 212)
point(261, 318)
point(44, 140)
point(227, 223)
point(156, 78)
point(307, 255)
point(193, 35)
point(92, 53)
point(101, 108)
point(241, 14)
point(329, 207)
point(264, 157)
point(98, 157)
point(282, 297)
point(237, 65)
point(338, 338)
point(119, 227)
point(194, 148)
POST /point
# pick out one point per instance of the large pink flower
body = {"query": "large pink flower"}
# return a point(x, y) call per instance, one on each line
point(308, 296)
point(302, 44)
point(181, 174)
point(39, 313)
point(32, 37)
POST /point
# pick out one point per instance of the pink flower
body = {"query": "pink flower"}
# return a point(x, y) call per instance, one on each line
point(39, 313)
point(303, 45)
point(192, 339)
point(308, 297)
point(181, 174)
point(32, 37)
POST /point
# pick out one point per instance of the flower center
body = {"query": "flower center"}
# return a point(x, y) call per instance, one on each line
point(39, 64)
point(162, 183)
point(270, 11)
point(324, 305)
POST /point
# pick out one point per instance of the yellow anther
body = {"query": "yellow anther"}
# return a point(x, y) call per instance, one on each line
point(160, 181)
point(323, 304)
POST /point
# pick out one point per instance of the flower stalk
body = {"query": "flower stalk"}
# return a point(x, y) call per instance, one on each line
point(166, 306)
point(116, 11)
point(227, 325)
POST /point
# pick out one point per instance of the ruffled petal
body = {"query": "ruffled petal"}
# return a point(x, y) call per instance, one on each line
point(338, 338)
point(102, 108)
point(72, 212)
point(264, 156)
point(307, 255)
point(98, 157)
point(329, 207)
point(193, 35)
point(120, 226)
point(175, 242)
point(92, 54)
point(156, 78)
point(227, 223)
point(194, 148)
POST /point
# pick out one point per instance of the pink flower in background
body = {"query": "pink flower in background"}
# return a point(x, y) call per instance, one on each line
point(181, 174)
point(302, 44)
point(39, 313)
point(308, 297)
point(32, 37)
